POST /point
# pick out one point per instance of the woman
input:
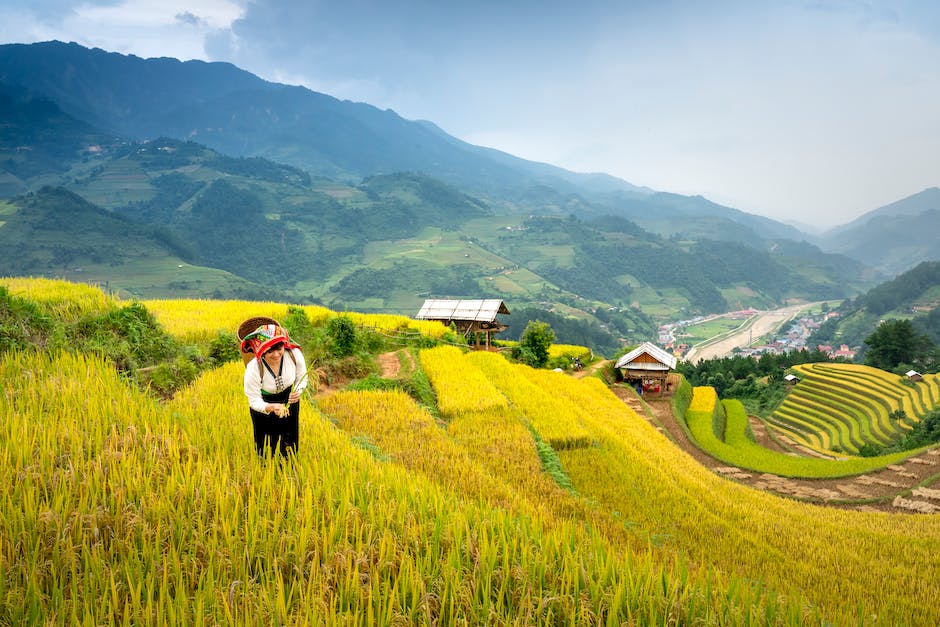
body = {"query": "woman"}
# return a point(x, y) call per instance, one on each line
point(274, 380)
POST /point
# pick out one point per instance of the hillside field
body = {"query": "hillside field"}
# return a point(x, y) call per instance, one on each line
point(516, 497)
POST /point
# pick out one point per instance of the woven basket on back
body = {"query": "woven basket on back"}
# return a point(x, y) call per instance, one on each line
point(247, 327)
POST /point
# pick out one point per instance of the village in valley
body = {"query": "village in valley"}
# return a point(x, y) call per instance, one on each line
point(793, 336)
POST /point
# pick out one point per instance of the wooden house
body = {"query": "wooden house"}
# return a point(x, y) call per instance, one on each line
point(913, 375)
point(647, 367)
point(791, 379)
point(475, 319)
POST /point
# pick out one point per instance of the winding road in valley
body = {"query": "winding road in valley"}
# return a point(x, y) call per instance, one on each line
point(760, 324)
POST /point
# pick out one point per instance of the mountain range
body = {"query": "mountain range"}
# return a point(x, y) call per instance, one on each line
point(221, 183)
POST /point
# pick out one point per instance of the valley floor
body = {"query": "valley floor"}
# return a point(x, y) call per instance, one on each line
point(763, 323)
point(911, 486)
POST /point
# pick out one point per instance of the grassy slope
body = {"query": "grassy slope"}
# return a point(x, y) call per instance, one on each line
point(155, 498)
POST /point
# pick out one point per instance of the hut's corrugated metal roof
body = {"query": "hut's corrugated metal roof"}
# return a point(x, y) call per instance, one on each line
point(483, 310)
point(657, 353)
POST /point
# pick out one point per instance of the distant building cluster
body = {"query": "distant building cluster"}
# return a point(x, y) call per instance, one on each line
point(669, 332)
point(795, 337)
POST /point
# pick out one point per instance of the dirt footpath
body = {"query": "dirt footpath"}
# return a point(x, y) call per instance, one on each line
point(875, 491)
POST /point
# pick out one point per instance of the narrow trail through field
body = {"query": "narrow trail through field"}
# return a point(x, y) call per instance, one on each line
point(883, 487)
point(389, 364)
point(395, 364)
point(591, 369)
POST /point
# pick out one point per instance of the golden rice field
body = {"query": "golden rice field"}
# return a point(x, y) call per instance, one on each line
point(842, 407)
point(62, 299)
point(124, 509)
point(197, 320)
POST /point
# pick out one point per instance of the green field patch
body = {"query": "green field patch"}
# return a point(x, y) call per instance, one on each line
point(433, 245)
point(121, 183)
point(662, 303)
point(741, 451)
point(742, 297)
point(628, 280)
point(158, 277)
point(709, 329)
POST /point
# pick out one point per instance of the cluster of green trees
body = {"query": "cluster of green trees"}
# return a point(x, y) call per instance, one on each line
point(412, 276)
point(897, 346)
point(534, 345)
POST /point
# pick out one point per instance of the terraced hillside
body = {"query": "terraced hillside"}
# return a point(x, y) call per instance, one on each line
point(843, 407)
point(514, 497)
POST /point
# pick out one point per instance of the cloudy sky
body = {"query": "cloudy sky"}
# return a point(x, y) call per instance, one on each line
point(810, 110)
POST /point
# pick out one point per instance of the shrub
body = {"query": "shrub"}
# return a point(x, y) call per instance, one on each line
point(129, 337)
point(223, 348)
point(534, 344)
point(343, 336)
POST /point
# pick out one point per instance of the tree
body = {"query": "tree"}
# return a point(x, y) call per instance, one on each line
point(897, 342)
point(534, 343)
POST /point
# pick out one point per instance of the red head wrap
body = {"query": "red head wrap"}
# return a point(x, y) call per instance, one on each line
point(264, 337)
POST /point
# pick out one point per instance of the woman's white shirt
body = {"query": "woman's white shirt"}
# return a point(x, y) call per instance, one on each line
point(255, 382)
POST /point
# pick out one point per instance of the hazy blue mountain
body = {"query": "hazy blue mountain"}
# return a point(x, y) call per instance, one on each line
point(696, 217)
point(910, 206)
point(173, 218)
point(237, 113)
point(895, 237)
point(373, 212)
point(39, 140)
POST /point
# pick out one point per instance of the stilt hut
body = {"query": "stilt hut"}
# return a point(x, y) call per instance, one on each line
point(647, 367)
point(475, 319)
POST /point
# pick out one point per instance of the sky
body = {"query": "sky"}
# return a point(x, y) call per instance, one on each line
point(800, 110)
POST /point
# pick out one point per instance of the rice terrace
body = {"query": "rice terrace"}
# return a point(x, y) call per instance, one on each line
point(456, 487)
